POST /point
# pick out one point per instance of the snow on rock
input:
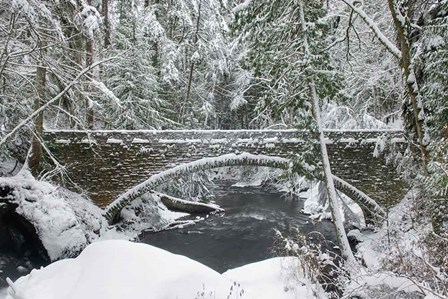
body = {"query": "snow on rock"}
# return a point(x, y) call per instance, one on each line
point(65, 222)
point(316, 205)
point(120, 269)
point(145, 213)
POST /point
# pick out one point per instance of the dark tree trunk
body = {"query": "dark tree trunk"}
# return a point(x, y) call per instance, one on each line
point(190, 76)
point(106, 23)
point(36, 147)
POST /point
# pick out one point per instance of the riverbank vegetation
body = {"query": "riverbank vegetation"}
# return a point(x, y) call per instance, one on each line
point(226, 64)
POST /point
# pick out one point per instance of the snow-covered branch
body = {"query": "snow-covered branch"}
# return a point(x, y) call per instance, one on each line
point(115, 207)
point(241, 6)
point(362, 198)
point(374, 27)
point(53, 100)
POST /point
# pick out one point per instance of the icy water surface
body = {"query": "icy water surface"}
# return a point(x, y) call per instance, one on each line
point(244, 234)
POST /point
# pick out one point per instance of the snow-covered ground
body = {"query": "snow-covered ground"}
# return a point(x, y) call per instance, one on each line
point(122, 269)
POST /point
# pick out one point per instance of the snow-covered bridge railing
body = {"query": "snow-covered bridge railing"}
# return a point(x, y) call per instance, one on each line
point(108, 163)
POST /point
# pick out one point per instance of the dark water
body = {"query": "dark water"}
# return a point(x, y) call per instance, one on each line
point(244, 234)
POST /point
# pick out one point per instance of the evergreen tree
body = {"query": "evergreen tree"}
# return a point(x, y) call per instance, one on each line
point(286, 48)
point(131, 76)
point(434, 96)
point(271, 32)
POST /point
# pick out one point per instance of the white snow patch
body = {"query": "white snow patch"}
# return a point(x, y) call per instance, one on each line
point(139, 140)
point(88, 141)
point(114, 140)
point(221, 140)
point(62, 141)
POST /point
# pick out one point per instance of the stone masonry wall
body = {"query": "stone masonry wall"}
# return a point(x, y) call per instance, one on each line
point(107, 163)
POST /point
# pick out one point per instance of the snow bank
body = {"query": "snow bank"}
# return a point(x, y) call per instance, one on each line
point(121, 269)
point(275, 278)
point(64, 221)
point(400, 238)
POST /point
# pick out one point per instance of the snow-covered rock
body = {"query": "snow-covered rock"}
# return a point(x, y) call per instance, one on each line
point(64, 221)
point(122, 269)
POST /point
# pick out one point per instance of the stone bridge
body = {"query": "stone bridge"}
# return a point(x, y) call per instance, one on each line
point(108, 163)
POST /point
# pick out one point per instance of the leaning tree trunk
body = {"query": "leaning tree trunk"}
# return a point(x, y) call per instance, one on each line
point(331, 190)
point(410, 81)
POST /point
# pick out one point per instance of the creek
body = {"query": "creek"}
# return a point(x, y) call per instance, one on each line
point(245, 232)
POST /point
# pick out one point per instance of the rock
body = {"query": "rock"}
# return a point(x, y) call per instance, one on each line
point(22, 270)
point(18, 240)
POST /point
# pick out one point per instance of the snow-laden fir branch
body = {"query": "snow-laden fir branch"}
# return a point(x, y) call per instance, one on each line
point(242, 6)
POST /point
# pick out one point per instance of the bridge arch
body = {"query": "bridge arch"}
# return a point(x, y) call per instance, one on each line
point(368, 205)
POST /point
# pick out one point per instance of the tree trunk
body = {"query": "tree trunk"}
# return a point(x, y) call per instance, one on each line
point(36, 147)
point(106, 23)
point(410, 81)
point(196, 38)
point(89, 103)
point(344, 246)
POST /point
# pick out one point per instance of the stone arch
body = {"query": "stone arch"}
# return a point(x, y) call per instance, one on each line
point(112, 211)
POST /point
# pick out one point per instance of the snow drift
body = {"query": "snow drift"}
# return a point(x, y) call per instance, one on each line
point(120, 269)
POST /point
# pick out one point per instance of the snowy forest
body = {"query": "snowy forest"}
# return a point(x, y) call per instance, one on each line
point(320, 67)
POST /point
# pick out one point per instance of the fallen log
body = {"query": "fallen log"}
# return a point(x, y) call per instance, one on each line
point(191, 207)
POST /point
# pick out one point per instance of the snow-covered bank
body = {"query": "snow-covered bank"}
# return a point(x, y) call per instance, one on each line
point(275, 278)
point(121, 269)
point(66, 222)
point(398, 258)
